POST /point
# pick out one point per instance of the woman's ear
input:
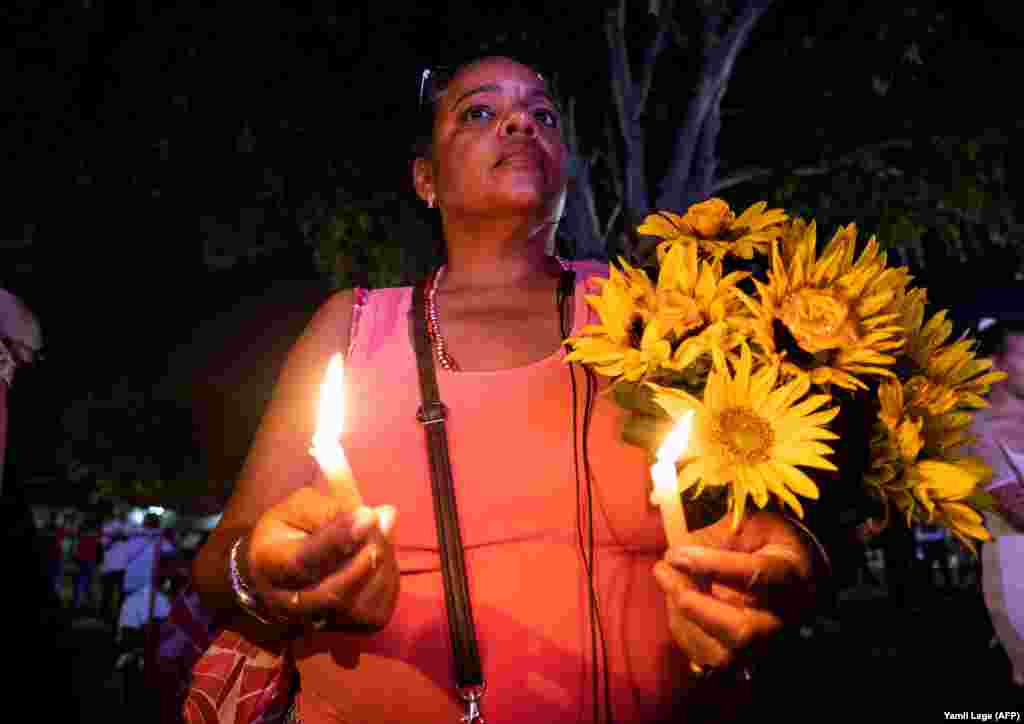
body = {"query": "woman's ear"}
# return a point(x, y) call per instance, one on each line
point(423, 179)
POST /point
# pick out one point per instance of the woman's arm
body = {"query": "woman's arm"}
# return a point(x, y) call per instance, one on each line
point(278, 462)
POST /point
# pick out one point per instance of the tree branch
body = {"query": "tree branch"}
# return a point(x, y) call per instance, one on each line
point(720, 59)
point(618, 63)
point(706, 165)
point(651, 56)
point(820, 169)
point(628, 99)
point(614, 166)
point(610, 226)
point(579, 218)
point(584, 225)
point(740, 177)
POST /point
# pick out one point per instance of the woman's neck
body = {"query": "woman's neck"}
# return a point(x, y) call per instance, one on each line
point(481, 259)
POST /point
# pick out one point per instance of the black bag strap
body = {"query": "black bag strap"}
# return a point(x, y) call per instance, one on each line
point(469, 676)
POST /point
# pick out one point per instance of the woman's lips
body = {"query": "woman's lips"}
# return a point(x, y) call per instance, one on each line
point(521, 157)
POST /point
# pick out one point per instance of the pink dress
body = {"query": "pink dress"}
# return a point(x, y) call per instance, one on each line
point(510, 435)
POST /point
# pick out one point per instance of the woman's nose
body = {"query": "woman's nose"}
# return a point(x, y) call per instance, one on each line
point(519, 121)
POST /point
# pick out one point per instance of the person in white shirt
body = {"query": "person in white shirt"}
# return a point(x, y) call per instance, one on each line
point(142, 554)
point(135, 612)
point(129, 564)
point(117, 551)
point(1000, 442)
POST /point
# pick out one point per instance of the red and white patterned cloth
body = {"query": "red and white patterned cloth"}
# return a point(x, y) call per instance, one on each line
point(208, 676)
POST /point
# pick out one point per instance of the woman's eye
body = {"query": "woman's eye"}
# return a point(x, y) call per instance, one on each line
point(547, 117)
point(477, 113)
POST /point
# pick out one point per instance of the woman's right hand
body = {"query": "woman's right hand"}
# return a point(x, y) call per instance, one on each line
point(310, 559)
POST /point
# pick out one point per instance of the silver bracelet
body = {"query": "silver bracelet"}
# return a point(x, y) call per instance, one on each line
point(248, 599)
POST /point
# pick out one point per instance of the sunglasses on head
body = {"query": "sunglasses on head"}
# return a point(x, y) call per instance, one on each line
point(434, 80)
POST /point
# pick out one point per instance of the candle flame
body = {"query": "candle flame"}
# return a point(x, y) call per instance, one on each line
point(330, 419)
point(673, 447)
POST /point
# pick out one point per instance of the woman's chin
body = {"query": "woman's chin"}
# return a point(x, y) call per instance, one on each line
point(525, 197)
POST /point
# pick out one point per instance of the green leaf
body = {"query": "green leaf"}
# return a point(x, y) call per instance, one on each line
point(982, 500)
point(636, 397)
point(645, 431)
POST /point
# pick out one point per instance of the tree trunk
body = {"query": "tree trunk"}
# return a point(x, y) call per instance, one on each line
point(696, 142)
point(692, 173)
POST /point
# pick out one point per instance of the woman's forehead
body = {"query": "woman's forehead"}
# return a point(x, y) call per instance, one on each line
point(496, 71)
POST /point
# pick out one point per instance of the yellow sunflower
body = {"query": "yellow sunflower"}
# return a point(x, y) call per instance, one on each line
point(830, 318)
point(792, 234)
point(751, 434)
point(628, 344)
point(669, 328)
point(916, 467)
point(694, 305)
point(714, 228)
point(944, 376)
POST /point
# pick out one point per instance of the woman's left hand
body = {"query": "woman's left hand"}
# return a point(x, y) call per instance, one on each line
point(726, 591)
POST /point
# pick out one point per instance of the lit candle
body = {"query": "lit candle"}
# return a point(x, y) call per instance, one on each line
point(666, 489)
point(330, 424)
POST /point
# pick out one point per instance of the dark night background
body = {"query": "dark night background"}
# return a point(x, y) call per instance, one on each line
point(159, 157)
point(163, 162)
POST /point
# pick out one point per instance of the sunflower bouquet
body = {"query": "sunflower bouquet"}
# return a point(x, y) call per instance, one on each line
point(794, 364)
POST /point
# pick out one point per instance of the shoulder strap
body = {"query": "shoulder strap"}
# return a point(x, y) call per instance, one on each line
point(564, 298)
point(360, 298)
point(468, 671)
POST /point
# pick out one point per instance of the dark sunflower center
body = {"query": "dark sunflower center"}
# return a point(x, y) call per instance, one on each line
point(636, 331)
point(742, 436)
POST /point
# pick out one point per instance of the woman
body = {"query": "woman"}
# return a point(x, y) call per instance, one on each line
point(496, 171)
point(1000, 441)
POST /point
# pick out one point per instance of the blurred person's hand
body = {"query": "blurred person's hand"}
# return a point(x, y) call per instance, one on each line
point(311, 560)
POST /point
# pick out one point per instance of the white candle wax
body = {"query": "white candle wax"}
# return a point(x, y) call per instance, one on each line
point(666, 489)
point(667, 498)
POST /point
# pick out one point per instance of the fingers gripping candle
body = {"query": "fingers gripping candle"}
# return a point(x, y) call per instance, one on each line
point(330, 424)
point(666, 489)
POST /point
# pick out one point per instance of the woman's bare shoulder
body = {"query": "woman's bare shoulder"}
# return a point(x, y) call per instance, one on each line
point(328, 329)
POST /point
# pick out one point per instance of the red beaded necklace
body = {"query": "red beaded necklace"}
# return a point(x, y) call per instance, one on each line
point(434, 329)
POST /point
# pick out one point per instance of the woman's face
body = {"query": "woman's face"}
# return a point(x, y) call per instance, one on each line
point(497, 143)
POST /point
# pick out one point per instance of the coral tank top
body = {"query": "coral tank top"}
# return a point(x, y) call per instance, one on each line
point(511, 443)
